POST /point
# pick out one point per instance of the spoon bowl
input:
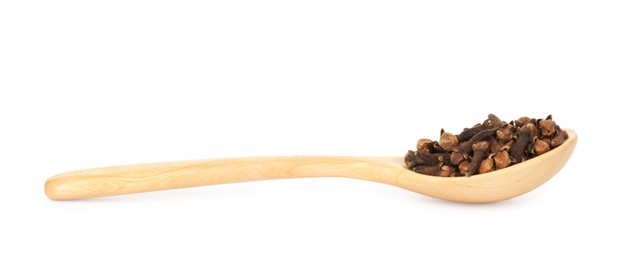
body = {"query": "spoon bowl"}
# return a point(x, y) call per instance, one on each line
point(490, 187)
point(497, 185)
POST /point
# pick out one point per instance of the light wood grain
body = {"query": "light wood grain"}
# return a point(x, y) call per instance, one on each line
point(494, 186)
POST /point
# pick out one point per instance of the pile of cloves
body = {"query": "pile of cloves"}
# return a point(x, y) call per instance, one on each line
point(492, 145)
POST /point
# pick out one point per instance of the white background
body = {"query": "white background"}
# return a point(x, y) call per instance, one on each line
point(98, 83)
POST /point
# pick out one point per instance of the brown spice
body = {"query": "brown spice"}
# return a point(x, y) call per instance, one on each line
point(480, 151)
point(505, 133)
point(541, 147)
point(447, 140)
point(486, 166)
point(424, 145)
point(427, 158)
point(502, 159)
point(558, 138)
point(466, 147)
point(493, 144)
point(494, 121)
point(463, 166)
point(456, 157)
point(521, 121)
point(446, 171)
point(470, 132)
point(523, 139)
point(426, 169)
point(547, 127)
point(443, 158)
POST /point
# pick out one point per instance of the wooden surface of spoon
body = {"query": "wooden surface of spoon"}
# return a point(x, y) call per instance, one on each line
point(493, 186)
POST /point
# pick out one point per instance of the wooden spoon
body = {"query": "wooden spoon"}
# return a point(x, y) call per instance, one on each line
point(493, 186)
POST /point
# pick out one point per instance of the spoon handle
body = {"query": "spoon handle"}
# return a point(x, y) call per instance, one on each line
point(128, 179)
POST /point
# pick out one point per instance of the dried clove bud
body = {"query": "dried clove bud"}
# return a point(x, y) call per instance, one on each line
point(502, 159)
point(467, 147)
point(424, 145)
point(480, 151)
point(446, 171)
point(547, 127)
point(505, 133)
point(426, 169)
point(463, 167)
point(557, 140)
point(521, 121)
point(456, 157)
point(547, 140)
point(530, 149)
point(534, 132)
point(494, 146)
point(494, 121)
point(444, 158)
point(413, 159)
point(470, 132)
point(541, 147)
point(447, 141)
point(486, 166)
point(435, 148)
point(427, 158)
point(523, 139)
point(507, 145)
point(533, 121)
point(409, 159)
